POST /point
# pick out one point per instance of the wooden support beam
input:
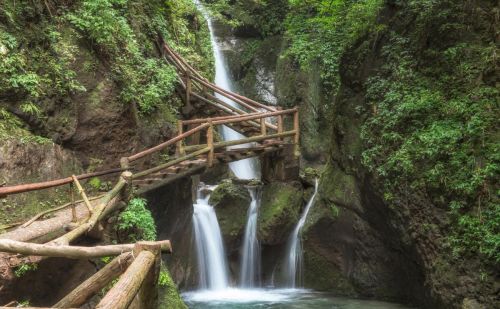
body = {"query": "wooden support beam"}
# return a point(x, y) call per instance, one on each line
point(83, 194)
point(79, 296)
point(129, 285)
point(210, 142)
point(263, 127)
point(179, 148)
point(70, 252)
point(296, 128)
point(188, 88)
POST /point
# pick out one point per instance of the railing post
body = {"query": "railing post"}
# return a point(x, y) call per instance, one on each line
point(179, 149)
point(263, 128)
point(73, 206)
point(125, 163)
point(188, 88)
point(280, 123)
point(210, 144)
point(83, 194)
point(296, 128)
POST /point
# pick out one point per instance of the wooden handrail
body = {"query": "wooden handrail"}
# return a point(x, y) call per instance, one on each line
point(171, 163)
point(4, 191)
point(201, 79)
point(72, 252)
point(256, 116)
point(167, 143)
point(203, 120)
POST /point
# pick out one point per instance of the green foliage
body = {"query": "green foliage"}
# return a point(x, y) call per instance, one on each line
point(137, 221)
point(25, 268)
point(40, 140)
point(146, 82)
point(23, 303)
point(30, 108)
point(435, 125)
point(95, 183)
point(168, 294)
point(320, 31)
point(29, 75)
point(265, 17)
point(106, 259)
point(164, 278)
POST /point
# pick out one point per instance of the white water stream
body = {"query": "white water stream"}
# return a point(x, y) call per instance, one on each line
point(293, 262)
point(213, 265)
point(250, 260)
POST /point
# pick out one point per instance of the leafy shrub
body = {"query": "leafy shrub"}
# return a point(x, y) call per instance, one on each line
point(137, 221)
point(95, 183)
point(25, 268)
point(164, 278)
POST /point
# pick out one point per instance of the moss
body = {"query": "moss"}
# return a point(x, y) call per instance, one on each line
point(230, 201)
point(169, 294)
point(280, 208)
point(322, 275)
point(338, 187)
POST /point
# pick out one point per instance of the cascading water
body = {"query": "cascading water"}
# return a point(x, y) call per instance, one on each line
point(243, 169)
point(293, 262)
point(212, 262)
point(250, 264)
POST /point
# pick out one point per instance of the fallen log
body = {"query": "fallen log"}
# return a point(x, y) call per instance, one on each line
point(98, 281)
point(72, 252)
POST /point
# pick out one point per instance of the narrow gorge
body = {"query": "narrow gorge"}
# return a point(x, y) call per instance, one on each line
point(249, 154)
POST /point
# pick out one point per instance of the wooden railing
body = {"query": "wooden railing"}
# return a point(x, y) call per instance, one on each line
point(136, 266)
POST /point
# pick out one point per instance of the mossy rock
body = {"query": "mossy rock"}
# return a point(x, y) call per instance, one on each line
point(231, 202)
point(322, 275)
point(169, 297)
point(279, 212)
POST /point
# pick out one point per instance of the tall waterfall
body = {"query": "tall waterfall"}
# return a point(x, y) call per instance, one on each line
point(293, 260)
point(250, 261)
point(243, 169)
point(212, 264)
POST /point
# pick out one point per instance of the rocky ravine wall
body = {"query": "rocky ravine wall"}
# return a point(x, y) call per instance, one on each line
point(355, 243)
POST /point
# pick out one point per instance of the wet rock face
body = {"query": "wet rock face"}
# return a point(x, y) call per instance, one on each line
point(231, 202)
point(279, 212)
point(172, 210)
point(25, 162)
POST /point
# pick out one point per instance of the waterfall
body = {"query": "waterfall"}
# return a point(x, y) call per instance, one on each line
point(250, 264)
point(293, 260)
point(212, 264)
point(243, 169)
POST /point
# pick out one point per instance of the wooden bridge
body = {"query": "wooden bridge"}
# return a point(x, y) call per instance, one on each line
point(267, 131)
